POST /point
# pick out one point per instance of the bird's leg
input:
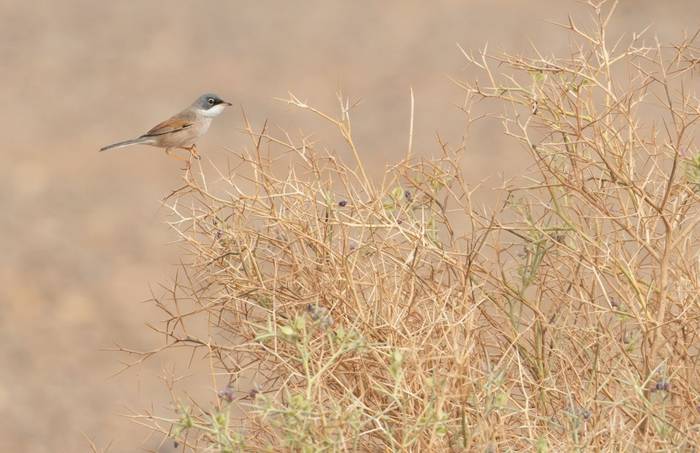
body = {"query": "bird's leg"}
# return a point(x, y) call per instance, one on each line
point(188, 162)
point(169, 152)
point(193, 151)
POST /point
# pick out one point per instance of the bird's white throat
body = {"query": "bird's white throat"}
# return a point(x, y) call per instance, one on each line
point(214, 111)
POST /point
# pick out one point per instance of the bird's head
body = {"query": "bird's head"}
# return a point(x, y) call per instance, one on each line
point(210, 105)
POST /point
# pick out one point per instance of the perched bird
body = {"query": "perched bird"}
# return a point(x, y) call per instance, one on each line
point(183, 129)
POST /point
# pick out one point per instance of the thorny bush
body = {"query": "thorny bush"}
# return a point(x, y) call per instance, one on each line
point(344, 314)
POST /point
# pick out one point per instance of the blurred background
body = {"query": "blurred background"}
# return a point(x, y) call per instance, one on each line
point(82, 235)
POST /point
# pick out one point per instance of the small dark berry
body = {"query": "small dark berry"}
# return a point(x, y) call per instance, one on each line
point(585, 414)
point(226, 394)
point(663, 385)
point(342, 203)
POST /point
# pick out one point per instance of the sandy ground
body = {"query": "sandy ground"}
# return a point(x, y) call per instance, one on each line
point(83, 239)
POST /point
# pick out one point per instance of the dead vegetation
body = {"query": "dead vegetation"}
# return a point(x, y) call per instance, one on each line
point(340, 313)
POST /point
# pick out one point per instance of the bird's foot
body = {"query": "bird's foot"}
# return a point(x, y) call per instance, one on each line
point(194, 152)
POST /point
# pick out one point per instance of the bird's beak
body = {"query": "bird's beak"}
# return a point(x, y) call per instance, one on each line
point(227, 103)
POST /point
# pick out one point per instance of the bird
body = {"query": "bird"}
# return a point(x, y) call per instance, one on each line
point(182, 130)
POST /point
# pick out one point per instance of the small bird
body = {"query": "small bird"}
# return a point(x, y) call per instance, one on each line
point(182, 130)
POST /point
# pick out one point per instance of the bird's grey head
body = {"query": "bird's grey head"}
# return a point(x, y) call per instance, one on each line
point(210, 104)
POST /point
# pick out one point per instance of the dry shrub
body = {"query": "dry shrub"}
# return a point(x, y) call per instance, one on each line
point(339, 313)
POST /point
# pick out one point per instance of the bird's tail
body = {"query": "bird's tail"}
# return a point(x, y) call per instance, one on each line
point(144, 140)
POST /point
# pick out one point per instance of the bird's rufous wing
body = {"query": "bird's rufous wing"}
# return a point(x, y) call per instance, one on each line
point(169, 126)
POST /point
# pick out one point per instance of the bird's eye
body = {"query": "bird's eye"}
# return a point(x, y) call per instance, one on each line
point(210, 101)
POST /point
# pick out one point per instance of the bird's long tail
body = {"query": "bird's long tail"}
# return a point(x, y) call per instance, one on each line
point(144, 140)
